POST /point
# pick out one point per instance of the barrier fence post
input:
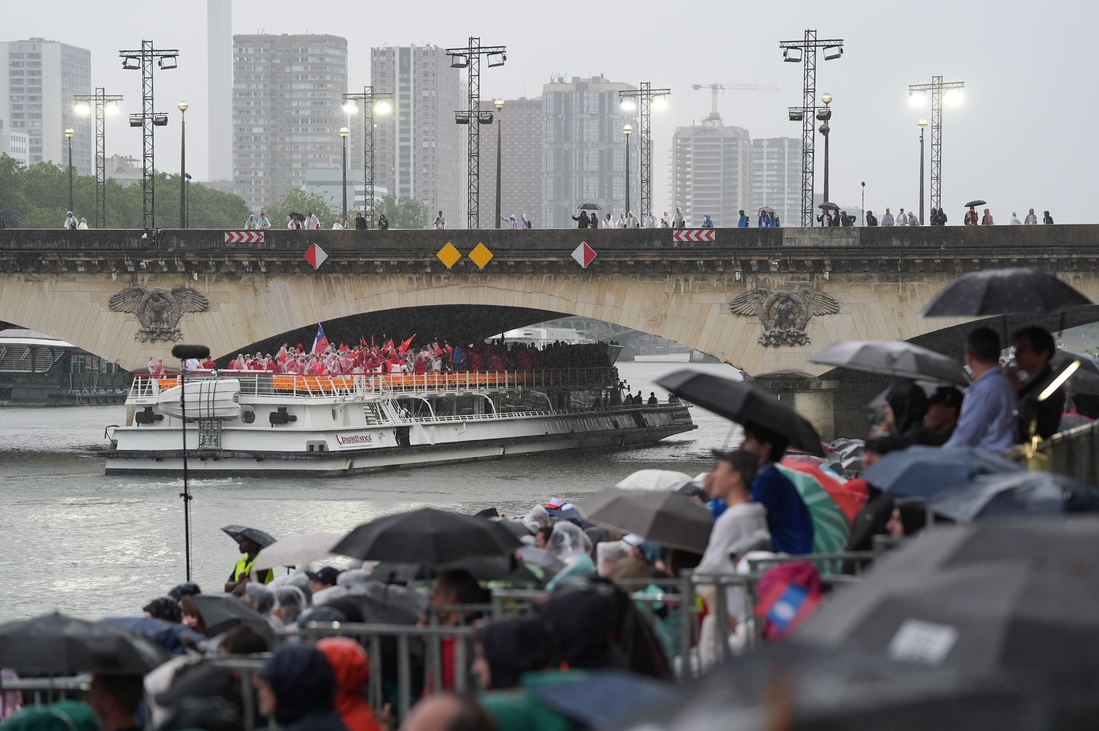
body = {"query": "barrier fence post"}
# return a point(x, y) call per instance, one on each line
point(248, 711)
point(404, 677)
point(686, 623)
point(377, 699)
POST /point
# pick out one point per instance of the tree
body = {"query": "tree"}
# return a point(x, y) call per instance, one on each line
point(38, 197)
point(402, 213)
point(297, 201)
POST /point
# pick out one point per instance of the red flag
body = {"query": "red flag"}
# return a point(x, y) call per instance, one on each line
point(405, 345)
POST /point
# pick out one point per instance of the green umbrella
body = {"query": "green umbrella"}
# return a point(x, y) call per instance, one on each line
point(830, 526)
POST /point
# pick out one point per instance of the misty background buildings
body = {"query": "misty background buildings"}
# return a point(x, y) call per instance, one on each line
point(275, 108)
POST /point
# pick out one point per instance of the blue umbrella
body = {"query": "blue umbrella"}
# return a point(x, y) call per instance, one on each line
point(924, 472)
point(1015, 494)
point(168, 635)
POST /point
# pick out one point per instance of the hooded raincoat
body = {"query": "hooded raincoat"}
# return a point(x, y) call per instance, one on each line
point(305, 688)
point(352, 669)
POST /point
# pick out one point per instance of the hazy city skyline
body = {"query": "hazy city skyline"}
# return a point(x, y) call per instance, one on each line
point(1018, 140)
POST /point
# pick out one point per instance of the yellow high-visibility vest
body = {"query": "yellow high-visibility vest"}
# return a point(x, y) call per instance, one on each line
point(244, 570)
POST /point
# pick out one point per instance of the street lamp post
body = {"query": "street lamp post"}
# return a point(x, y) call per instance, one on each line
point(182, 164)
point(627, 130)
point(104, 104)
point(864, 203)
point(344, 131)
point(69, 135)
point(923, 126)
point(499, 136)
point(373, 103)
point(824, 115)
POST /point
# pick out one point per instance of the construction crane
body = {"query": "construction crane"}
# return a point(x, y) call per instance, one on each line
point(715, 88)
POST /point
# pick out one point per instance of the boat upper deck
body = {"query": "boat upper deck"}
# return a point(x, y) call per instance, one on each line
point(260, 383)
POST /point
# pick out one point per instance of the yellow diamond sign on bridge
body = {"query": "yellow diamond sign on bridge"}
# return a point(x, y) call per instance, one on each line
point(448, 255)
point(480, 256)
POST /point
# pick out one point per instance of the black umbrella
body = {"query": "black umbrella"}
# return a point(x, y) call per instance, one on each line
point(667, 518)
point(428, 537)
point(296, 217)
point(54, 644)
point(788, 687)
point(897, 358)
point(222, 612)
point(497, 568)
point(590, 207)
point(1004, 292)
point(362, 607)
point(973, 204)
point(515, 527)
point(1015, 494)
point(743, 403)
point(236, 532)
point(1003, 594)
point(828, 206)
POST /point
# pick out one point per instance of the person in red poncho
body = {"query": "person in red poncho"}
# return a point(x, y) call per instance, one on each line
point(351, 667)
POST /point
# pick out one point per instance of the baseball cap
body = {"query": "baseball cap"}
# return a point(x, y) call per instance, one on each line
point(327, 575)
point(742, 461)
point(946, 396)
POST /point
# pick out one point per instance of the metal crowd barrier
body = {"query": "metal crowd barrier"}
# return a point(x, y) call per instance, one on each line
point(1073, 453)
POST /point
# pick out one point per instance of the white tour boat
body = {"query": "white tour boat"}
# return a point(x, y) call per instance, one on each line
point(256, 423)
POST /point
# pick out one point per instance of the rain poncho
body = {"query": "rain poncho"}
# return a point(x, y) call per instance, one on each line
point(568, 542)
point(352, 669)
point(260, 597)
point(538, 517)
point(292, 603)
point(609, 554)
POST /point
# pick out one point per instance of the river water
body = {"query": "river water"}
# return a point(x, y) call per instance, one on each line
point(75, 540)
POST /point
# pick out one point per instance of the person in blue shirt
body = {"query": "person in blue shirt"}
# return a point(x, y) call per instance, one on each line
point(742, 222)
point(787, 517)
point(987, 418)
point(708, 222)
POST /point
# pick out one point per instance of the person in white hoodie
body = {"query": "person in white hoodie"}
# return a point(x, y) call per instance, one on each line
point(741, 528)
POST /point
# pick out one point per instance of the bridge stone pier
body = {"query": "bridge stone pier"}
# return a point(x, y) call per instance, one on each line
point(761, 299)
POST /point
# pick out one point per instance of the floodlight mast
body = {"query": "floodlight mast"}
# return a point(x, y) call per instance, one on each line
point(804, 51)
point(470, 58)
point(645, 94)
point(143, 59)
point(937, 88)
point(369, 98)
point(97, 105)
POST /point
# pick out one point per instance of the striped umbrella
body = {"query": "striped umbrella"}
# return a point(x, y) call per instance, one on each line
point(849, 502)
point(830, 526)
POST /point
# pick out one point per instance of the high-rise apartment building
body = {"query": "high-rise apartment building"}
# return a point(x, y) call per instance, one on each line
point(711, 171)
point(776, 177)
point(584, 149)
point(287, 97)
point(219, 87)
point(38, 79)
point(520, 162)
point(419, 151)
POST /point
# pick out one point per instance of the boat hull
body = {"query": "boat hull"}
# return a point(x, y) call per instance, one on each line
point(335, 453)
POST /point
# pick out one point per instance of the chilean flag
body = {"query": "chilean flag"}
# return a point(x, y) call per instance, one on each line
point(320, 343)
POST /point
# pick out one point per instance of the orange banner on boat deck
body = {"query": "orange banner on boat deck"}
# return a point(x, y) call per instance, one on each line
point(312, 383)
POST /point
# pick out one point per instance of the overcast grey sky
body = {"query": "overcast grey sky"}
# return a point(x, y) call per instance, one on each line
point(1022, 137)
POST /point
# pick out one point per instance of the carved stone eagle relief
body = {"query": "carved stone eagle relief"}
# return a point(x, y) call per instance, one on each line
point(159, 310)
point(784, 315)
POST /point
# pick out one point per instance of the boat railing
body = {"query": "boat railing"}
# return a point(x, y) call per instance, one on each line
point(261, 383)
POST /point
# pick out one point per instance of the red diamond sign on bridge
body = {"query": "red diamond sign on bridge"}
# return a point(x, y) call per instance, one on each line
point(694, 234)
point(315, 255)
point(244, 237)
point(584, 254)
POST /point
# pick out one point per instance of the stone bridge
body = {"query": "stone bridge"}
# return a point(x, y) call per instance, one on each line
point(761, 299)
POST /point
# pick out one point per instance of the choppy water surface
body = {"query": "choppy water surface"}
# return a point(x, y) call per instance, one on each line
point(75, 540)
